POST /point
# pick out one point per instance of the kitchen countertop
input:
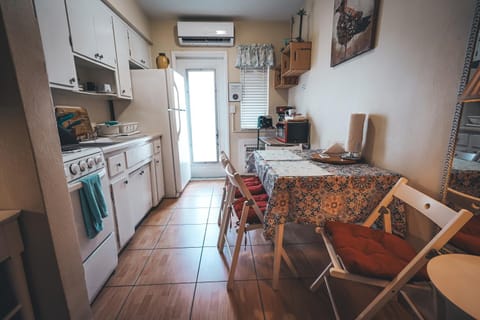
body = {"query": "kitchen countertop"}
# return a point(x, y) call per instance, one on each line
point(114, 144)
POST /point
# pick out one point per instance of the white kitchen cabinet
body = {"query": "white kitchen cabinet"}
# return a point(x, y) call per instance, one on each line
point(91, 29)
point(158, 183)
point(122, 49)
point(140, 51)
point(141, 192)
point(52, 20)
point(123, 211)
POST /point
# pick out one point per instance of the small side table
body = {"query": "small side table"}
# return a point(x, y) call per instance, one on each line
point(457, 277)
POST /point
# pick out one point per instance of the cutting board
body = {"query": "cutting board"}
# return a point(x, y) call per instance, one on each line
point(75, 119)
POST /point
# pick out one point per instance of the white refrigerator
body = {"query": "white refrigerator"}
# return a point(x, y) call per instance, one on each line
point(159, 105)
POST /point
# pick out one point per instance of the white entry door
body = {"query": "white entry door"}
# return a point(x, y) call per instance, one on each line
point(206, 90)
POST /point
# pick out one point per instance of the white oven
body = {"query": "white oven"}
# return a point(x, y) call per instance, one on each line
point(99, 254)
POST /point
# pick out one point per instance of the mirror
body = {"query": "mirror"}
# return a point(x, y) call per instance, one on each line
point(461, 174)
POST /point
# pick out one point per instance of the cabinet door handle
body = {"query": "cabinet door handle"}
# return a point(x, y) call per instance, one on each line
point(97, 55)
point(126, 182)
point(119, 165)
point(142, 172)
point(123, 91)
point(101, 56)
point(158, 161)
point(72, 80)
point(142, 61)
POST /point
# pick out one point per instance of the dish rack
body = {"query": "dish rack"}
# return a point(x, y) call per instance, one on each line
point(106, 130)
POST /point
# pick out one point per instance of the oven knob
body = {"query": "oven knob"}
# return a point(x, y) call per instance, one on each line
point(74, 169)
point(83, 165)
point(98, 159)
point(90, 162)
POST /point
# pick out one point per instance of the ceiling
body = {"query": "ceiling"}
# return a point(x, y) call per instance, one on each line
point(270, 10)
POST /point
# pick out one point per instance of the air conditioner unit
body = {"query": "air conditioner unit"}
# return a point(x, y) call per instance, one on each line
point(205, 34)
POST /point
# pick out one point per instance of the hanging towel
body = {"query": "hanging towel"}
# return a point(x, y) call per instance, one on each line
point(94, 207)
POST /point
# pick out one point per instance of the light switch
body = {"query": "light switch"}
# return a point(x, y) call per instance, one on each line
point(232, 108)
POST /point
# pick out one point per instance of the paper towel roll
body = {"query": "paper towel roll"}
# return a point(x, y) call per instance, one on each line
point(355, 132)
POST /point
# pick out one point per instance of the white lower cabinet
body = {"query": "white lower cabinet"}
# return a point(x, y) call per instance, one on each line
point(123, 212)
point(158, 182)
point(141, 192)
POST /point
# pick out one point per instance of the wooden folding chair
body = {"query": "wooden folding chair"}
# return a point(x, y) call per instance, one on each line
point(250, 179)
point(377, 257)
point(250, 216)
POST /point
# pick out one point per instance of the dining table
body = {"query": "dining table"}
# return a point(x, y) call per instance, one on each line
point(302, 189)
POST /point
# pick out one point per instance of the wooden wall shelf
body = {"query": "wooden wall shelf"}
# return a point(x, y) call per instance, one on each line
point(295, 58)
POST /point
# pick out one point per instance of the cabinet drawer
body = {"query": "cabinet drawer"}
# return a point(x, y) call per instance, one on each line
point(116, 164)
point(138, 154)
point(157, 146)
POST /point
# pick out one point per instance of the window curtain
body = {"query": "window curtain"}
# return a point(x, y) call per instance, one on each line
point(255, 56)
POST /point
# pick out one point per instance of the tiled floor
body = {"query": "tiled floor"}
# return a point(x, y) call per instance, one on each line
point(171, 269)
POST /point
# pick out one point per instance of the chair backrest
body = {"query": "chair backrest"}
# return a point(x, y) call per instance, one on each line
point(449, 220)
point(295, 147)
point(459, 200)
point(236, 180)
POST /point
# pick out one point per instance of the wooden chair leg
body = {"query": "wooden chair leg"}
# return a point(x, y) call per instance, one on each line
point(238, 245)
point(277, 254)
point(221, 211)
point(223, 229)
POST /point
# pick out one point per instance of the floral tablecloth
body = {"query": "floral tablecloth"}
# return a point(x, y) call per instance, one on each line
point(345, 193)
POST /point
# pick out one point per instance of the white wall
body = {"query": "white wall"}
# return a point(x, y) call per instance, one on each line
point(246, 32)
point(407, 84)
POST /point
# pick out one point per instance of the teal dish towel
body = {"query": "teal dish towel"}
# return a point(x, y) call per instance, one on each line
point(94, 207)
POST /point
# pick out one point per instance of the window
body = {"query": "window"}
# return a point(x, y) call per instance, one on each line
point(254, 101)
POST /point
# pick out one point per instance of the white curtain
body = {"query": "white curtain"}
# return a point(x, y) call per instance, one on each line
point(255, 56)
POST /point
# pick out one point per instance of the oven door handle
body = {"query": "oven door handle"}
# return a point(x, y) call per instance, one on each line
point(78, 185)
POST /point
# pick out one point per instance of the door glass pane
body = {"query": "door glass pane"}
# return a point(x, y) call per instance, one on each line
point(203, 120)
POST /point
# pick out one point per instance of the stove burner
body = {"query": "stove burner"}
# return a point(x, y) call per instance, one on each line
point(70, 147)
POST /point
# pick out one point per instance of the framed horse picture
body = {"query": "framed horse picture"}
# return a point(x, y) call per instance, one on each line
point(354, 28)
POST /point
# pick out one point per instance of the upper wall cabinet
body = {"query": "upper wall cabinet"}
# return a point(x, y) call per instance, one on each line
point(52, 20)
point(140, 52)
point(123, 51)
point(91, 30)
point(295, 58)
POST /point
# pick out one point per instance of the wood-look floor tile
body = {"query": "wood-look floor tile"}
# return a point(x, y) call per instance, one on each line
point(215, 266)
point(167, 203)
point(146, 237)
point(263, 257)
point(171, 266)
point(158, 217)
point(256, 238)
point(189, 216)
point(130, 264)
point(182, 236)
point(214, 302)
point(108, 303)
point(163, 302)
point(296, 233)
point(211, 236)
point(293, 300)
point(193, 202)
point(216, 201)
point(213, 214)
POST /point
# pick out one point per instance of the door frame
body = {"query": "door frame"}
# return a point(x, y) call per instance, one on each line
point(222, 103)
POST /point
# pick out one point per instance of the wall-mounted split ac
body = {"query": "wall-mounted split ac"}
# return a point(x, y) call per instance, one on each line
point(205, 34)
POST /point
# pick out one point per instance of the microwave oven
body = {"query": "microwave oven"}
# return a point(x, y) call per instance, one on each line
point(293, 131)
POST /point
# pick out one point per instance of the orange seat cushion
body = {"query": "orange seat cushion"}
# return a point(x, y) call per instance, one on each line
point(372, 253)
point(252, 217)
point(253, 188)
point(468, 238)
point(253, 179)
